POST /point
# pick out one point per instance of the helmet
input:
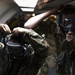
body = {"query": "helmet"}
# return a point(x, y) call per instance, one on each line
point(17, 47)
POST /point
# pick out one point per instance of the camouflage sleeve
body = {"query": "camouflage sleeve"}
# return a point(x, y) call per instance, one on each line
point(37, 41)
point(39, 44)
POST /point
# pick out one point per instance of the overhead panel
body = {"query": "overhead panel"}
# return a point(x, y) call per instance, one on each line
point(26, 5)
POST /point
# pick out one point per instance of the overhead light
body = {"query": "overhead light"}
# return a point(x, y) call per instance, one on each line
point(27, 9)
point(26, 3)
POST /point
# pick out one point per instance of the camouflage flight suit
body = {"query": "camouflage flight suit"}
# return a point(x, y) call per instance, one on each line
point(53, 39)
point(40, 47)
point(67, 55)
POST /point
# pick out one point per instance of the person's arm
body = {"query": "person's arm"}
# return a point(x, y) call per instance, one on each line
point(38, 43)
point(34, 21)
point(34, 38)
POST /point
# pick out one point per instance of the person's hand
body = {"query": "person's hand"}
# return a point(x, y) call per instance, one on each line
point(69, 38)
point(18, 30)
point(5, 28)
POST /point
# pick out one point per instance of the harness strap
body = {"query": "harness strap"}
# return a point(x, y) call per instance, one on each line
point(68, 58)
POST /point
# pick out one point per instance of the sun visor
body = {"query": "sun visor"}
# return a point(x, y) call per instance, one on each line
point(51, 4)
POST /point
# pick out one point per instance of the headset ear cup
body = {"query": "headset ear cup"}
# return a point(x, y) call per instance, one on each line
point(28, 49)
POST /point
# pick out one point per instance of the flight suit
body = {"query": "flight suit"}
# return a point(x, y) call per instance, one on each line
point(29, 65)
point(66, 59)
point(54, 41)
